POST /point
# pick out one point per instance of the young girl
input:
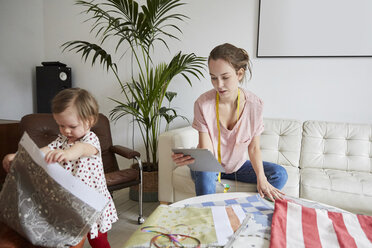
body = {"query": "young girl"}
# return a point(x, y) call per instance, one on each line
point(229, 120)
point(78, 150)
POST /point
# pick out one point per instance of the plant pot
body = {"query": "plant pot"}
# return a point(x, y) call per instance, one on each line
point(150, 186)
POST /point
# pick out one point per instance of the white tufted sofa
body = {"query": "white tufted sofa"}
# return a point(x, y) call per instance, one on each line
point(326, 162)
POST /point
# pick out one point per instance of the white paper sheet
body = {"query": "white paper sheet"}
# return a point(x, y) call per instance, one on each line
point(224, 231)
point(220, 218)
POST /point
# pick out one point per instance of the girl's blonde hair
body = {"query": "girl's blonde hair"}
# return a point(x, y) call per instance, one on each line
point(236, 57)
point(86, 105)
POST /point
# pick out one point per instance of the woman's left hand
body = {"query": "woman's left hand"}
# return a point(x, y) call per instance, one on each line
point(266, 189)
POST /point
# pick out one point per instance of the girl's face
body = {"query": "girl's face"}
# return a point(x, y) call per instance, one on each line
point(70, 124)
point(225, 79)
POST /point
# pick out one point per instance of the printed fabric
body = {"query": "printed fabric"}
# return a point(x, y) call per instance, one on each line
point(33, 204)
point(295, 225)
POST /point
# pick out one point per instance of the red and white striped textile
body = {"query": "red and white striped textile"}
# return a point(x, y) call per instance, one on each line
point(294, 225)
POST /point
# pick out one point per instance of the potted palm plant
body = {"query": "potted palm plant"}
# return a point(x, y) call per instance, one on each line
point(137, 29)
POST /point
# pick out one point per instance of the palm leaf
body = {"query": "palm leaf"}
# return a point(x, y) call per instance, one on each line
point(170, 95)
point(85, 48)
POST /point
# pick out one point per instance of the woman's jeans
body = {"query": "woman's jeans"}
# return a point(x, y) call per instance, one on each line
point(205, 181)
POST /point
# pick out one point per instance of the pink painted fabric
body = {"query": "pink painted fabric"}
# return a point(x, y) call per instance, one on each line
point(234, 143)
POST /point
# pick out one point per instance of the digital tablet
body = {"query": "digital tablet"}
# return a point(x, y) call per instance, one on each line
point(204, 159)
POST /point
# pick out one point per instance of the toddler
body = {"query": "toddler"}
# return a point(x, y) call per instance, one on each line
point(77, 149)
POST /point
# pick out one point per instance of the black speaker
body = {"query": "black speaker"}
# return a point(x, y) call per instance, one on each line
point(50, 79)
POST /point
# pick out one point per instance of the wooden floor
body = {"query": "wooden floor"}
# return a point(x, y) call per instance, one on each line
point(128, 215)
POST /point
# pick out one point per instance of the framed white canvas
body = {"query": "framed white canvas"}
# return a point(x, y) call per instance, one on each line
point(316, 28)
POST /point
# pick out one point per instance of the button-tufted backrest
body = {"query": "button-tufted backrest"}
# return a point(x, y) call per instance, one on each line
point(43, 129)
point(281, 141)
point(339, 146)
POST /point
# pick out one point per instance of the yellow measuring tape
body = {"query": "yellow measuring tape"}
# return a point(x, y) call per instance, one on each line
point(226, 187)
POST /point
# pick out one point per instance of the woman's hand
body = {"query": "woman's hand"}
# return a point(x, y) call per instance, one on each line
point(7, 161)
point(181, 159)
point(266, 189)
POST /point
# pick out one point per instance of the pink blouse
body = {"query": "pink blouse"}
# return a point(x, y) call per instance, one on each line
point(235, 142)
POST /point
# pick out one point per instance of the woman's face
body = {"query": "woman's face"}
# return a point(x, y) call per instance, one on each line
point(225, 79)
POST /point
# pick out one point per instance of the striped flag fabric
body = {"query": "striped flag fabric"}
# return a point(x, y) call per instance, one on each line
point(294, 225)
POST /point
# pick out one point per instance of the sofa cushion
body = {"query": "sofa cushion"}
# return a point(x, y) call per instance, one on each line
point(292, 187)
point(338, 146)
point(281, 141)
point(281, 144)
point(351, 190)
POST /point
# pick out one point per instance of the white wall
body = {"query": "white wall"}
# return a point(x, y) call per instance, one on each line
point(21, 49)
point(331, 89)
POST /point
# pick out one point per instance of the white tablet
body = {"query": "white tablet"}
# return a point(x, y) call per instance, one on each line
point(204, 159)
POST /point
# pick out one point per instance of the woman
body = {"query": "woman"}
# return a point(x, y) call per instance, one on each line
point(229, 121)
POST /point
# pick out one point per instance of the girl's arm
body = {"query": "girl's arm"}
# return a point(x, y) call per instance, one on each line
point(204, 142)
point(76, 151)
point(263, 186)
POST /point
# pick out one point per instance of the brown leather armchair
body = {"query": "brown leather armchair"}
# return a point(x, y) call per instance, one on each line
point(43, 129)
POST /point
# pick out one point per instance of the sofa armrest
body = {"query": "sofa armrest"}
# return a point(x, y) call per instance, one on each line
point(181, 137)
